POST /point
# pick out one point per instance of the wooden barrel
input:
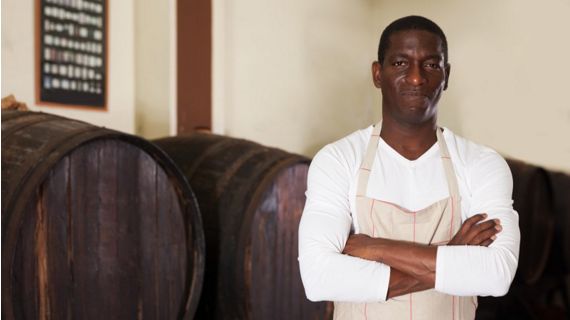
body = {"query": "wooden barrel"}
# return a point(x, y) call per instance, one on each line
point(96, 224)
point(561, 194)
point(533, 293)
point(251, 198)
point(532, 199)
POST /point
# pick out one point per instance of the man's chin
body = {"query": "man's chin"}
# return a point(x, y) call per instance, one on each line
point(416, 111)
point(417, 114)
point(421, 106)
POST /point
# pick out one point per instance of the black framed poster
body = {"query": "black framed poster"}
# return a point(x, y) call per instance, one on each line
point(71, 54)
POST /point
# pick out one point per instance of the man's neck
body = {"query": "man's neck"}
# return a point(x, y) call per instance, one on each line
point(409, 140)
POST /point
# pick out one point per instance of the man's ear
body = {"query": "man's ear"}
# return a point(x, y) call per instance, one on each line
point(376, 74)
point(447, 73)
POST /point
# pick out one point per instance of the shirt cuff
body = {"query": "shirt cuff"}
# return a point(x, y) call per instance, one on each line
point(440, 267)
point(384, 284)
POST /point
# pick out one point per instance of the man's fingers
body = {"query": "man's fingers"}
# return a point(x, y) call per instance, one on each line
point(482, 231)
point(489, 234)
point(474, 220)
point(495, 223)
point(487, 242)
point(461, 236)
point(486, 230)
point(475, 229)
point(469, 223)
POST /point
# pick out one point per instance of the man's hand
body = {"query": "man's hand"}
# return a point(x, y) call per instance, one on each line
point(473, 232)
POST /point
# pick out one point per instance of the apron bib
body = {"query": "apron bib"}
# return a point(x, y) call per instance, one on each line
point(434, 225)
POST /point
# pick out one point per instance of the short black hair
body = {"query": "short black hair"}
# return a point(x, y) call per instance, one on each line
point(410, 23)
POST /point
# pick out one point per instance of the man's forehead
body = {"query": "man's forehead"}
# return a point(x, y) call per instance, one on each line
point(415, 40)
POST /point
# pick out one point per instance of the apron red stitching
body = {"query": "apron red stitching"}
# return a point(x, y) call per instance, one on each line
point(414, 241)
point(410, 306)
point(414, 234)
point(370, 215)
point(397, 207)
point(372, 223)
point(458, 307)
point(453, 307)
point(452, 215)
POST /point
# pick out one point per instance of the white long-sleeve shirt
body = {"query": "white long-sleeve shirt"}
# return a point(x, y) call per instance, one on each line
point(485, 185)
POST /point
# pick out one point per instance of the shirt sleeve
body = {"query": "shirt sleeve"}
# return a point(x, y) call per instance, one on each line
point(327, 274)
point(477, 270)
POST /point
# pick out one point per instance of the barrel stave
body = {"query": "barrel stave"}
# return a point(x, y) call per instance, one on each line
point(251, 198)
point(25, 287)
point(532, 198)
point(101, 224)
point(57, 245)
point(275, 230)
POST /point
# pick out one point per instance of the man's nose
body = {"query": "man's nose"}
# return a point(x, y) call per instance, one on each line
point(415, 75)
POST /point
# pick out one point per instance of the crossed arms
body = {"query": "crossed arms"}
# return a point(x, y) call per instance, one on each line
point(336, 267)
point(412, 265)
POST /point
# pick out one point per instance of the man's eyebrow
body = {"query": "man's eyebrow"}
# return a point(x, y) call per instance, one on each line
point(398, 55)
point(434, 56)
point(406, 55)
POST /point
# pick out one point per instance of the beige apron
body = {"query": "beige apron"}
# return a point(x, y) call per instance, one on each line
point(434, 225)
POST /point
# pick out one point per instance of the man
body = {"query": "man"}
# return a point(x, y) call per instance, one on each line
point(404, 219)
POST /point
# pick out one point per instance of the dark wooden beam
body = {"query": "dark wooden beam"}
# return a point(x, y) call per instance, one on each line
point(194, 65)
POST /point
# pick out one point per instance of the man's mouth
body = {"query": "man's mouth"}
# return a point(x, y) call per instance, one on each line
point(414, 94)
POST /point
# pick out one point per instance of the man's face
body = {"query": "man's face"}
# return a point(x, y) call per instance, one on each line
point(412, 76)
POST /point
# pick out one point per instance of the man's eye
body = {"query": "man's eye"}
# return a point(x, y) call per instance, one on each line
point(399, 63)
point(433, 65)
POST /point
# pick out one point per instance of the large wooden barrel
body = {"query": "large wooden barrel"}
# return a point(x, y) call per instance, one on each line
point(251, 198)
point(532, 199)
point(532, 293)
point(561, 194)
point(96, 224)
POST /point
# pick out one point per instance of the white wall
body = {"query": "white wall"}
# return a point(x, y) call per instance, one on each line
point(18, 74)
point(293, 74)
point(509, 76)
point(296, 74)
point(155, 69)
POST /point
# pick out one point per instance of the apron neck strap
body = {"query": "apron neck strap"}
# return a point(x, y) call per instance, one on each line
point(447, 165)
point(368, 160)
